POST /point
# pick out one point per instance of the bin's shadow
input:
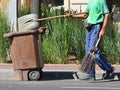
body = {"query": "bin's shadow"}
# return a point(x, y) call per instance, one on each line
point(57, 75)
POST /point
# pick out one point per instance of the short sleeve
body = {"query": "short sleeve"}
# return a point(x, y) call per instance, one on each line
point(87, 9)
point(105, 7)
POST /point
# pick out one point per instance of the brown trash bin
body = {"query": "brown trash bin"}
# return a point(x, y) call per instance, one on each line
point(26, 54)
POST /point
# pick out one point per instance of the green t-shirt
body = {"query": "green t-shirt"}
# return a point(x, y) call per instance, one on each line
point(96, 10)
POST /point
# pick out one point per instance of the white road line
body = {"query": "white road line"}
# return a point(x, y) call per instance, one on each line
point(93, 88)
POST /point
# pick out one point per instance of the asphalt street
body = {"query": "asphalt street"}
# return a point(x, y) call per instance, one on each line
point(67, 84)
point(57, 77)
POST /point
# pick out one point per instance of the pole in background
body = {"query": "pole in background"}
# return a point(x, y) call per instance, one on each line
point(12, 15)
point(36, 9)
point(69, 6)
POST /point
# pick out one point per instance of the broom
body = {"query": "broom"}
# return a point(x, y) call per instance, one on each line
point(88, 61)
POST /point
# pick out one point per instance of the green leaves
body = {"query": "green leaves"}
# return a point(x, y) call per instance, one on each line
point(66, 37)
point(111, 43)
point(63, 38)
point(4, 44)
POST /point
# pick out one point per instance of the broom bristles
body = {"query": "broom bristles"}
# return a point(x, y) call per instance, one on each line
point(85, 63)
point(88, 63)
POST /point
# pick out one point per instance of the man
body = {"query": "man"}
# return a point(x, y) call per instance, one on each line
point(97, 14)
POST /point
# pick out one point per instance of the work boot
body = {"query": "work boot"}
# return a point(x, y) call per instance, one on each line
point(108, 74)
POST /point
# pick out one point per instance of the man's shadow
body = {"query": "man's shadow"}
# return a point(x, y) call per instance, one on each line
point(114, 77)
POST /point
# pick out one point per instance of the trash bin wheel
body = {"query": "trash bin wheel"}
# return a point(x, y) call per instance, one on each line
point(34, 75)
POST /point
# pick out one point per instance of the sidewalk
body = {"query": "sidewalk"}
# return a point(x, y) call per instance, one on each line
point(7, 72)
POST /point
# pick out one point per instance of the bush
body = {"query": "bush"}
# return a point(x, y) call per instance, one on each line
point(4, 45)
point(66, 37)
point(111, 43)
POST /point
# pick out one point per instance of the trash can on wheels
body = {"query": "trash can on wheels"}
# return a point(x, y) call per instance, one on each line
point(26, 54)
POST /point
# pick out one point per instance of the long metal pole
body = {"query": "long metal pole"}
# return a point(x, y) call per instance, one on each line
point(18, 8)
point(69, 6)
point(36, 7)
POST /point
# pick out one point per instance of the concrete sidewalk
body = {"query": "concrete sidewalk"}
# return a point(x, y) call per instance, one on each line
point(7, 72)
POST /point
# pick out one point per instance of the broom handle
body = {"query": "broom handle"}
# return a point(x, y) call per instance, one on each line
point(60, 16)
point(98, 41)
point(96, 45)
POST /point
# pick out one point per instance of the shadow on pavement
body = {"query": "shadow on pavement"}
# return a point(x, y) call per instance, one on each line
point(104, 81)
point(57, 75)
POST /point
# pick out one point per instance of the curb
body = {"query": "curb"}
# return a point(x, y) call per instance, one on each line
point(56, 71)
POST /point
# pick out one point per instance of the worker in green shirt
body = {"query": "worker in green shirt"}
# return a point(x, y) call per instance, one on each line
point(97, 15)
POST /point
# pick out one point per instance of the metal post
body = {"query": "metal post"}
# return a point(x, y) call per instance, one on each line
point(12, 10)
point(69, 3)
point(18, 8)
point(36, 9)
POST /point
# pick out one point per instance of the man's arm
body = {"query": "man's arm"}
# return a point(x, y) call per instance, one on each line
point(105, 22)
point(82, 15)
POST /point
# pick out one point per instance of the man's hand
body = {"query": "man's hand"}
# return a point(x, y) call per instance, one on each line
point(101, 33)
point(67, 15)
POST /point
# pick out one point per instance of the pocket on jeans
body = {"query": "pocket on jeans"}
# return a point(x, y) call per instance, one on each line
point(88, 26)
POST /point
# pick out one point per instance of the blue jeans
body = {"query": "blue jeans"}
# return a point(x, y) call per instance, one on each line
point(91, 39)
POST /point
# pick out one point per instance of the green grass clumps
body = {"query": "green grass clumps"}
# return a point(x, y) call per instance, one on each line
point(66, 37)
point(4, 44)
